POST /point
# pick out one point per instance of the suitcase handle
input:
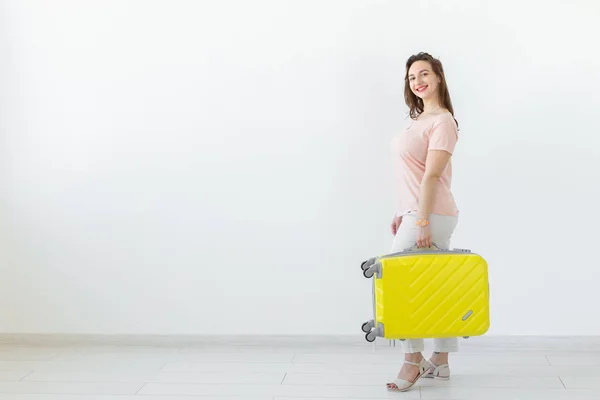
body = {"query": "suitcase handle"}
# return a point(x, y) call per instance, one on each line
point(437, 249)
point(415, 248)
point(372, 266)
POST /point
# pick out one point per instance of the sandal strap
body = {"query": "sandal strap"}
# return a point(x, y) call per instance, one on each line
point(436, 367)
point(401, 382)
point(436, 370)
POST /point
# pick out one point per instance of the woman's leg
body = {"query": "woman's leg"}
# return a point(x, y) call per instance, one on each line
point(439, 359)
point(406, 237)
point(442, 228)
point(443, 346)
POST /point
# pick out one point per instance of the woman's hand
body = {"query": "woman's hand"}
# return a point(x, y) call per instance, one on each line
point(396, 224)
point(424, 236)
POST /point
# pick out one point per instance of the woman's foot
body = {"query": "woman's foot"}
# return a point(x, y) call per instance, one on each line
point(439, 358)
point(440, 370)
point(414, 367)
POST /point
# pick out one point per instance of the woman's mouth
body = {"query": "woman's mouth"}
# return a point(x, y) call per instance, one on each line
point(420, 89)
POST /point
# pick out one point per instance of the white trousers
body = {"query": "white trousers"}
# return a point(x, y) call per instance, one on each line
point(442, 227)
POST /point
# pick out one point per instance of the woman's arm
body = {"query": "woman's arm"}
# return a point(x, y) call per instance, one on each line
point(434, 167)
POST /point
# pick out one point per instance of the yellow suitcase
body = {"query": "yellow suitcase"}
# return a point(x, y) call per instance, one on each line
point(428, 293)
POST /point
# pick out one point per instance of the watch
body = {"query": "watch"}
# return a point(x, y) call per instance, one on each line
point(422, 222)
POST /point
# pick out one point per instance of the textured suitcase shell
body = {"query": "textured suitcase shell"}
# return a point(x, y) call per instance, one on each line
point(428, 294)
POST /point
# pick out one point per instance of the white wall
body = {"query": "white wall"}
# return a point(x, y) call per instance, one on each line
point(173, 167)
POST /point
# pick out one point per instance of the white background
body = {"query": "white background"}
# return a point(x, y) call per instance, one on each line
point(174, 167)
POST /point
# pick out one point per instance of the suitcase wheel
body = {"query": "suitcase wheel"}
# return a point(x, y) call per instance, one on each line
point(373, 268)
point(366, 264)
point(366, 327)
point(370, 336)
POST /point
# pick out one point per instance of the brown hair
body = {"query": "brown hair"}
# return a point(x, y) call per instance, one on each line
point(414, 102)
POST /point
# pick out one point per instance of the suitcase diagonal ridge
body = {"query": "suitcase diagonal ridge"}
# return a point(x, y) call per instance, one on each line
point(457, 287)
point(432, 281)
point(466, 324)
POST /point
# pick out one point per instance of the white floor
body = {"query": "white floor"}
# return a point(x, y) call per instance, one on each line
point(276, 368)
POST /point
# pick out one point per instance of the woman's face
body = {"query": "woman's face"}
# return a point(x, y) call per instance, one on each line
point(422, 80)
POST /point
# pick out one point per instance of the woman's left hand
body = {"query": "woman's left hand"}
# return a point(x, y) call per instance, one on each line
point(424, 236)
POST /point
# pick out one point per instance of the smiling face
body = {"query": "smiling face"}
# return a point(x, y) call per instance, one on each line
point(422, 80)
point(425, 83)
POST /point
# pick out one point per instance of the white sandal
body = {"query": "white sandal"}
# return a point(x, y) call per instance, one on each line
point(438, 372)
point(403, 385)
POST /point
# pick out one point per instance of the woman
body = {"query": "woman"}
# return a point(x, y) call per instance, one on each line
point(426, 213)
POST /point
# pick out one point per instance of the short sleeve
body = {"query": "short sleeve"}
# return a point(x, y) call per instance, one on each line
point(444, 136)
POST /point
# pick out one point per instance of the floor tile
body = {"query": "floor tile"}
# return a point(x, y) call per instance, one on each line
point(119, 397)
point(12, 376)
point(572, 360)
point(229, 357)
point(480, 381)
point(391, 395)
point(69, 388)
point(349, 358)
point(336, 379)
point(282, 367)
point(28, 354)
point(493, 381)
point(582, 382)
point(157, 377)
point(148, 365)
point(463, 393)
point(358, 392)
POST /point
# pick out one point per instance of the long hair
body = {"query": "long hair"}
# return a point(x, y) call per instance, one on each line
point(414, 103)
